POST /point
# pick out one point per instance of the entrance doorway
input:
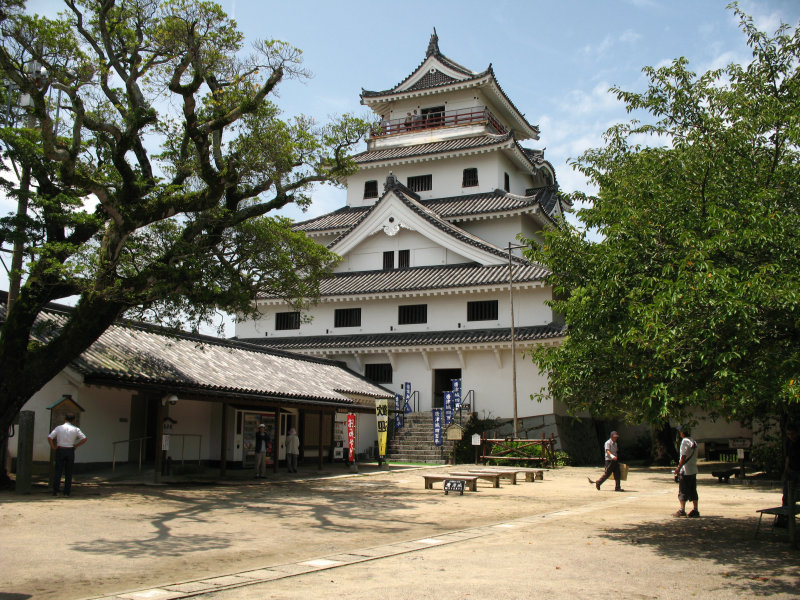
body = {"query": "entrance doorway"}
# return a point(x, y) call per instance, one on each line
point(442, 382)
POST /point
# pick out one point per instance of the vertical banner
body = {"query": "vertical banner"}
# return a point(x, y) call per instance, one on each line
point(382, 415)
point(437, 426)
point(351, 437)
point(398, 407)
point(457, 393)
point(407, 396)
point(448, 407)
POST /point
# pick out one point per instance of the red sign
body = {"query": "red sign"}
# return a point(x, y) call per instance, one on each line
point(351, 436)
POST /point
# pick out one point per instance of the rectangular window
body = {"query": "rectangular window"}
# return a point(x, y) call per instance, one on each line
point(404, 257)
point(506, 182)
point(470, 178)
point(420, 183)
point(347, 317)
point(411, 314)
point(287, 320)
point(370, 189)
point(483, 310)
point(388, 260)
point(378, 373)
point(434, 116)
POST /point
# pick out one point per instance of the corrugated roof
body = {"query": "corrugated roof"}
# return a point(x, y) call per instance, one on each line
point(428, 278)
point(413, 339)
point(141, 355)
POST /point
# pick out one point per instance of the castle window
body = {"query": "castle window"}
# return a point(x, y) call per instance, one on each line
point(287, 320)
point(506, 182)
point(470, 178)
point(347, 317)
point(404, 257)
point(420, 183)
point(388, 260)
point(371, 189)
point(482, 310)
point(378, 372)
point(412, 314)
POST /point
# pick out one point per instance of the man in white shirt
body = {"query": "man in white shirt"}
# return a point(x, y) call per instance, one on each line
point(611, 450)
point(64, 439)
point(687, 468)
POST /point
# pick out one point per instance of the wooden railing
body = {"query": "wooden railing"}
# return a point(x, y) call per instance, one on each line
point(449, 118)
point(507, 451)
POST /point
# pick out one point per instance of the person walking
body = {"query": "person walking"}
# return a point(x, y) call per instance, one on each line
point(611, 452)
point(261, 445)
point(292, 450)
point(686, 474)
point(63, 440)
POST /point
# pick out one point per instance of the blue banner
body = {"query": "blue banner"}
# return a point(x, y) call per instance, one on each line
point(448, 407)
point(437, 426)
point(398, 406)
point(457, 393)
point(407, 390)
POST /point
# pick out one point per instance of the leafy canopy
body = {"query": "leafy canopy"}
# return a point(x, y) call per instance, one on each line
point(692, 298)
point(146, 154)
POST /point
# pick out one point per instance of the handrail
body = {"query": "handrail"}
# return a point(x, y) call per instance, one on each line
point(183, 437)
point(114, 450)
point(448, 118)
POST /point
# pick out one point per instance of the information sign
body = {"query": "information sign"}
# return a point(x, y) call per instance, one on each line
point(454, 485)
point(351, 437)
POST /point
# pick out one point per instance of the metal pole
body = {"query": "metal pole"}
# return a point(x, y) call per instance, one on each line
point(513, 342)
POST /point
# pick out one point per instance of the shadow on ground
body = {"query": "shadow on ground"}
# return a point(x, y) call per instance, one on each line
point(756, 567)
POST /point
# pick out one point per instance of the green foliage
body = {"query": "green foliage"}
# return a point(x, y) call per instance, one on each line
point(563, 459)
point(463, 450)
point(768, 456)
point(154, 156)
point(692, 297)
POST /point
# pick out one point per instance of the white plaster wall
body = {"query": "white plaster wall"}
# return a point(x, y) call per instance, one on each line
point(105, 420)
point(496, 231)
point(193, 418)
point(381, 315)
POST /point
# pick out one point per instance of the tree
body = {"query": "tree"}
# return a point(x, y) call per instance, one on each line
point(154, 156)
point(691, 300)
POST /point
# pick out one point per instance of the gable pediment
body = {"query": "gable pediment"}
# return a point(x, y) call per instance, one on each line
point(395, 212)
point(431, 73)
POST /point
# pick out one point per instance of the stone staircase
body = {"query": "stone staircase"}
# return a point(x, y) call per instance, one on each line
point(414, 441)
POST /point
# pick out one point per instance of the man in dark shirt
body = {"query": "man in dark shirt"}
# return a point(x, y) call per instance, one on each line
point(261, 446)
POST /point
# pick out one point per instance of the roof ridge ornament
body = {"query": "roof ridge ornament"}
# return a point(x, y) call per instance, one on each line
point(433, 45)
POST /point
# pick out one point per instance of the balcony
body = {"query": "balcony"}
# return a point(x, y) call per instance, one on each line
point(451, 118)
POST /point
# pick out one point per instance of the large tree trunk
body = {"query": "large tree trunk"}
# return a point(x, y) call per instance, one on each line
point(664, 451)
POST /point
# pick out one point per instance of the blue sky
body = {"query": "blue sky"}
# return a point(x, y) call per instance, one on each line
point(556, 60)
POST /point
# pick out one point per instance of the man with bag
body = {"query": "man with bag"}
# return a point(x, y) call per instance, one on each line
point(686, 474)
point(612, 463)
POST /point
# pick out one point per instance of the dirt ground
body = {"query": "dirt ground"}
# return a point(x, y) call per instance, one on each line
point(558, 538)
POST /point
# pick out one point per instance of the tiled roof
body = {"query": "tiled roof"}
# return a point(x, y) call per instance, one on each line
point(466, 143)
point(452, 207)
point(428, 278)
point(411, 200)
point(146, 356)
point(433, 79)
point(457, 337)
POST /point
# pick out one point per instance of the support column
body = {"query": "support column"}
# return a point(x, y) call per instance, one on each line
point(158, 440)
point(25, 451)
point(223, 442)
point(319, 449)
point(276, 441)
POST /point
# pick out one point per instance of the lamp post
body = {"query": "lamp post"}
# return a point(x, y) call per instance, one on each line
point(513, 335)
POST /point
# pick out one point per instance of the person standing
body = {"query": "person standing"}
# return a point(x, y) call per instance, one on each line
point(63, 440)
point(261, 446)
point(611, 452)
point(292, 450)
point(686, 472)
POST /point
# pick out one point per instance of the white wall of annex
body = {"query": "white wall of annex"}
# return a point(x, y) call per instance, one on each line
point(193, 419)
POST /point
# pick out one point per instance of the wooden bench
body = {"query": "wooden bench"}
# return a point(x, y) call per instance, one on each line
point(725, 474)
point(790, 511)
point(471, 482)
point(493, 478)
point(510, 475)
point(530, 474)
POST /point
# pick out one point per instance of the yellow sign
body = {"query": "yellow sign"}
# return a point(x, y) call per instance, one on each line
point(382, 415)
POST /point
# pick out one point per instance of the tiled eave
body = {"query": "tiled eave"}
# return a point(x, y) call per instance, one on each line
point(425, 281)
point(403, 342)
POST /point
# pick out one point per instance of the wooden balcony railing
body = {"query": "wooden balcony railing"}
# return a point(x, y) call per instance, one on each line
point(449, 118)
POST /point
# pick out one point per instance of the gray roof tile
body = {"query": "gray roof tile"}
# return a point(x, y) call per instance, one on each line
point(398, 152)
point(412, 339)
